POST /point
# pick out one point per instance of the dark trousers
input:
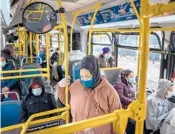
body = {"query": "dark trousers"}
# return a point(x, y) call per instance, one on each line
point(130, 129)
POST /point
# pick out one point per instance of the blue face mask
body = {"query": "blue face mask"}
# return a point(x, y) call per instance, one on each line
point(88, 83)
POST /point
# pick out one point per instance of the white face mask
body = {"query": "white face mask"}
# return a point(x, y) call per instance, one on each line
point(37, 91)
point(2, 64)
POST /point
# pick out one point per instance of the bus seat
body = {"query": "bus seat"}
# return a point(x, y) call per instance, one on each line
point(71, 63)
point(10, 113)
point(75, 70)
point(112, 75)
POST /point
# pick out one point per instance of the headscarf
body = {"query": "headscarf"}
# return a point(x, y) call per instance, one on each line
point(91, 64)
point(163, 86)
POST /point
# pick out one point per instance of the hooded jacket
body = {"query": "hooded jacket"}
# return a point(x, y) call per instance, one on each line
point(158, 106)
point(125, 90)
point(35, 104)
point(168, 126)
point(83, 106)
point(11, 83)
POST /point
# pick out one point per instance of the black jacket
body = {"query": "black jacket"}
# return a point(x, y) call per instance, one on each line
point(35, 104)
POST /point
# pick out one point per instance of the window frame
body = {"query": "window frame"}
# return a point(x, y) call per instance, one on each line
point(98, 44)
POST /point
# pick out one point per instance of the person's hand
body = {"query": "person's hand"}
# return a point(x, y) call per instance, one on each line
point(64, 82)
point(56, 77)
point(5, 89)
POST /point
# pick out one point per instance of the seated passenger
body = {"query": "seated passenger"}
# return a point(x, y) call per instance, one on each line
point(91, 96)
point(127, 93)
point(11, 84)
point(158, 106)
point(37, 100)
point(106, 60)
point(75, 54)
point(8, 55)
point(125, 89)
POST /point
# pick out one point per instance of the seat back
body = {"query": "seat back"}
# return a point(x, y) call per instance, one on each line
point(10, 113)
point(71, 63)
point(75, 70)
point(112, 74)
point(9, 96)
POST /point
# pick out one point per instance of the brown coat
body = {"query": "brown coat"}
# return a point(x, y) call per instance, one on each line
point(103, 63)
point(83, 107)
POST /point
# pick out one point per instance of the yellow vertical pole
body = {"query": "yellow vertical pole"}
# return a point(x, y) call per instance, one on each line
point(59, 47)
point(145, 27)
point(91, 28)
point(63, 19)
point(47, 55)
point(37, 44)
point(27, 43)
point(31, 54)
point(72, 29)
point(139, 59)
point(20, 49)
point(24, 45)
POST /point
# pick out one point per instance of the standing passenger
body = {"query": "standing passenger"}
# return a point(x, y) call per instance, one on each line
point(91, 96)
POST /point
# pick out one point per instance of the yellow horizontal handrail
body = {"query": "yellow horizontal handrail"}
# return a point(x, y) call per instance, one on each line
point(112, 68)
point(163, 29)
point(114, 30)
point(38, 121)
point(23, 70)
point(81, 125)
point(25, 126)
point(23, 76)
point(85, 124)
point(129, 30)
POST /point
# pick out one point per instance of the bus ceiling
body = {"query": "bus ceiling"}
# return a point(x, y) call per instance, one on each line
point(107, 9)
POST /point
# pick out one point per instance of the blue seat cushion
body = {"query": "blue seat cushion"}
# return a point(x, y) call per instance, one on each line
point(10, 113)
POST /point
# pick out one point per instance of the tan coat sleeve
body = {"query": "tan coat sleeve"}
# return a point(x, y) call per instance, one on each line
point(61, 94)
point(114, 100)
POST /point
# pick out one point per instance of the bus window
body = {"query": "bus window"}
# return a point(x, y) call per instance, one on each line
point(128, 56)
point(99, 41)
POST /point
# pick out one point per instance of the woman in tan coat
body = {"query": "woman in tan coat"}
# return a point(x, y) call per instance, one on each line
point(91, 96)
